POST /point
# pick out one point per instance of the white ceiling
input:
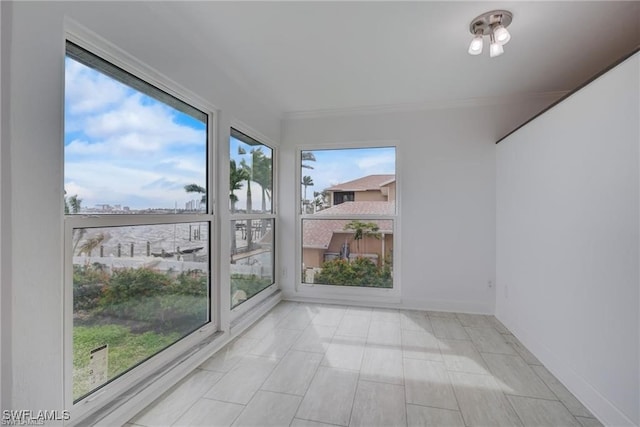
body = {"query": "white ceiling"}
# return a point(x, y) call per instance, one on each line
point(318, 56)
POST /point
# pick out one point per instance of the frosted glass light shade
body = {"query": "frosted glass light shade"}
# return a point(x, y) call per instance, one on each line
point(501, 35)
point(495, 49)
point(475, 48)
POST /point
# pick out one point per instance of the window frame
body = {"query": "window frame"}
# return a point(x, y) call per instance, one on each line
point(248, 305)
point(115, 387)
point(354, 294)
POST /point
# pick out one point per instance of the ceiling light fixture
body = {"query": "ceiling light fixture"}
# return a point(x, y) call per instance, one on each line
point(495, 48)
point(493, 24)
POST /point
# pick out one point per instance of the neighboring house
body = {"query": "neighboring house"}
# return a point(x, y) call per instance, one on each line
point(371, 188)
point(325, 239)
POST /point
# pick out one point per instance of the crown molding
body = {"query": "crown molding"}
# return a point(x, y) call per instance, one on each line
point(439, 104)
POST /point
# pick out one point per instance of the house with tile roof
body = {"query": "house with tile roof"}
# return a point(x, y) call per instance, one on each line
point(371, 188)
point(325, 238)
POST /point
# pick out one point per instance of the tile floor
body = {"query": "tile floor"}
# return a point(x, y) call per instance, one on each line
point(313, 365)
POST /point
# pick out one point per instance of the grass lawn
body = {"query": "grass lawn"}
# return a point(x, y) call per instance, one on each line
point(126, 349)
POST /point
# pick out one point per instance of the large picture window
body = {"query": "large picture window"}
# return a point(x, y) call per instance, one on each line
point(251, 196)
point(348, 214)
point(137, 220)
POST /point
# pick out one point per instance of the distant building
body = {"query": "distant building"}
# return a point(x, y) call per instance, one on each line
point(325, 239)
point(371, 188)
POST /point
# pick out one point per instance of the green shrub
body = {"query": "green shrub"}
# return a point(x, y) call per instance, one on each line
point(88, 285)
point(359, 272)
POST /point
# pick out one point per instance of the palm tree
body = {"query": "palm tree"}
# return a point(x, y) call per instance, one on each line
point(75, 204)
point(195, 188)
point(262, 174)
point(90, 244)
point(236, 176)
point(248, 176)
point(308, 156)
point(362, 230)
point(306, 182)
point(72, 205)
point(320, 199)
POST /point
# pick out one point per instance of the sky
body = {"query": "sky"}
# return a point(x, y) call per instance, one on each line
point(337, 166)
point(125, 148)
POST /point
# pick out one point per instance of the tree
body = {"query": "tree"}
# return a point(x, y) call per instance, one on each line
point(262, 174)
point(320, 199)
point(91, 243)
point(72, 204)
point(362, 230)
point(306, 182)
point(248, 176)
point(308, 156)
point(195, 188)
point(236, 176)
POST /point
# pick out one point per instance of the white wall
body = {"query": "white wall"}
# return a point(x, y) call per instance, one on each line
point(567, 241)
point(34, 200)
point(5, 296)
point(446, 170)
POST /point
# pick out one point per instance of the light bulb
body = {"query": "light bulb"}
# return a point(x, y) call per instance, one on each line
point(495, 49)
point(475, 48)
point(501, 35)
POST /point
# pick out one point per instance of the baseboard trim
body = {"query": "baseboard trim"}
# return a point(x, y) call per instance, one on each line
point(587, 394)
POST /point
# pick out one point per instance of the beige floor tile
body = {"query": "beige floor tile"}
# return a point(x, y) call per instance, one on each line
point(411, 320)
point(240, 384)
point(166, 410)
point(442, 314)
point(385, 315)
point(488, 340)
point(423, 416)
point(294, 373)
point(473, 320)
point(427, 383)
point(269, 409)
point(384, 333)
point(210, 413)
point(565, 396)
point(262, 327)
point(497, 325)
point(354, 326)
point(316, 338)
point(482, 402)
point(589, 422)
point(232, 353)
point(516, 376)
point(420, 345)
point(462, 356)
point(521, 349)
point(378, 405)
point(383, 364)
point(329, 315)
point(540, 412)
point(275, 343)
point(353, 310)
point(297, 422)
point(298, 318)
point(318, 354)
point(330, 396)
point(345, 353)
point(448, 328)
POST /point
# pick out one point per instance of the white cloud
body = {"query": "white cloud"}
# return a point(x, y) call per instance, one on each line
point(127, 148)
point(377, 164)
point(81, 80)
